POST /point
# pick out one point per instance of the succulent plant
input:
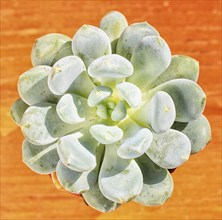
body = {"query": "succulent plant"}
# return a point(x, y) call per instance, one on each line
point(109, 112)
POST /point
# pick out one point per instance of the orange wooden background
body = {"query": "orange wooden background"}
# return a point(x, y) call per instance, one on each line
point(190, 27)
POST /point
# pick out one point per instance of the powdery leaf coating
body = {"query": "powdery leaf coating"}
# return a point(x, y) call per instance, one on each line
point(113, 23)
point(72, 181)
point(130, 93)
point(77, 151)
point(109, 68)
point(198, 131)
point(120, 180)
point(150, 58)
point(89, 43)
point(157, 183)
point(159, 113)
point(17, 110)
point(119, 111)
point(63, 74)
point(46, 47)
point(98, 94)
point(109, 113)
point(106, 134)
point(73, 109)
point(33, 87)
point(180, 67)
point(64, 50)
point(41, 125)
point(131, 36)
point(188, 97)
point(94, 196)
point(41, 159)
point(82, 85)
point(170, 149)
point(136, 145)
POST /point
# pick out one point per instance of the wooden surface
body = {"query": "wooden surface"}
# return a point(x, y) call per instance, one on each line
point(190, 27)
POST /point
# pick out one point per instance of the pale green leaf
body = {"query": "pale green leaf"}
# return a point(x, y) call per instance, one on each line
point(119, 111)
point(17, 110)
point(106, 134)
point(113, 23)
point(89, 43)
point(170, 149)
point(150, 58)
point(130, 93)
point(77, 151)
point(198, 131)
point(73, 109)
point(41, 125)
point(98, 201)
point(63, 74)
point(46, 47)
point(64, 50)
point(110, 68)
point(188, 97)
point(79, 182)
point(41, 159)
point(98, 94)
point(93, 197)
point(180, 67)
point(131, 36)
point(136, 140)
point(120, 180)
point(159, 113)
point(33, 87)
point(157, 183)
point(71, 180)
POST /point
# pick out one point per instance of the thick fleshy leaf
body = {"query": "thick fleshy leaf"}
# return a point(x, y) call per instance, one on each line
point(136, 140)
point(110, 68)
point(79, 182)
point(198, 131)
point(113, 23)
point(106, 134)
point(73, 109)
point(93, 196)
point(131, 36)
point(64, 50)
point(98, 94)
point(180, 67)
point(170, 149)
point(17, 110)
point(72, 181)
point(157, 183)
point(33, 87)
point(159, 112)
point(102, 111)
point(63, 74)
point(41, 125)
point(188, 97)
point(130, 93)
point(46, 47)
point(150, 58)
point(41, 159)
point(136, 145)
point(120, 180)
point(82, 85)
point(98, 201)
point(89, 43)
point(77, 151)
point(119, 111)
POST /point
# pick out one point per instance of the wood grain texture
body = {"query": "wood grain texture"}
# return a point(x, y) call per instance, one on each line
point(190, 27)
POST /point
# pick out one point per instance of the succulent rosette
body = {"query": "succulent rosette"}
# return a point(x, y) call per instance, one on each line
point(110, 111)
